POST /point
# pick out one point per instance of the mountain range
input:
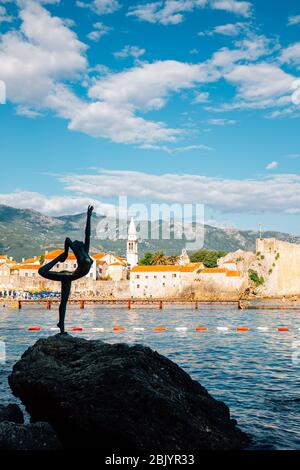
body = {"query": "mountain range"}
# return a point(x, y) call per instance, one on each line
point(25, 233)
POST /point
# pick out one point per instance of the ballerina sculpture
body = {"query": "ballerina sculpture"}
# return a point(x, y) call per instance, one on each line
point(84, 264)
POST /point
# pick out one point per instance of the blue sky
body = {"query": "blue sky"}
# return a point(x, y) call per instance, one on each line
point(187, 101)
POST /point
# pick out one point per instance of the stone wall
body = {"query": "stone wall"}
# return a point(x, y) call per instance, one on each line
point(219, 287)
point(282, 262)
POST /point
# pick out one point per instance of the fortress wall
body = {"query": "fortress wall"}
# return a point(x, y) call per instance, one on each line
point(285, 277)
point(219, 287)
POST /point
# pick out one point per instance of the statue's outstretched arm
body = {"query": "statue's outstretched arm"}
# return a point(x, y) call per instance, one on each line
point(88, 228)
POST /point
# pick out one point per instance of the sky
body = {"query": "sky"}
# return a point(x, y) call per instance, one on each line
point(175, 101)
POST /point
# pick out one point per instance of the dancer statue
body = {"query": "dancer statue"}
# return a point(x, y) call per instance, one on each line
point(84, 264)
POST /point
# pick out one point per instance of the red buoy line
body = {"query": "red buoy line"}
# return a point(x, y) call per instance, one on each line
point(120, 328)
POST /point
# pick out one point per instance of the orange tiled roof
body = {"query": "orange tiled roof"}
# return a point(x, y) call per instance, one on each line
point(98, 261)
point(53, 254)
point(120, 258)
point(116, 264)
point(99, 255)
point(190, 267)
point(213, 270)
point(155, 268)
point(229, 262)
point(25, 266)
point(233, 273)
point(31, 260)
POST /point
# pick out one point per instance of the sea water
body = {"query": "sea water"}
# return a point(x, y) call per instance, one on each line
point(255, 372)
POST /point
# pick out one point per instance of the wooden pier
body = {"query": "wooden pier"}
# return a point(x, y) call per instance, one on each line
point(155, 303)
point(126, 303)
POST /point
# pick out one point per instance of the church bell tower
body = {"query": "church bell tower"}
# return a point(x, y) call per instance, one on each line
point(132, 246)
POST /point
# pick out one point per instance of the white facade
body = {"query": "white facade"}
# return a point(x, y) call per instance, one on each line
point(132, 256)
point(162, 281)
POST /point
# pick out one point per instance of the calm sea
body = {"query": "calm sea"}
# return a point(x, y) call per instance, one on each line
point(255, 373)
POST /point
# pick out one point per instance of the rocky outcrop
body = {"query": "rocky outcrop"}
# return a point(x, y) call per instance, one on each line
point(12, 413)
point(97, 395)
point(14, 435)
point(36, 436)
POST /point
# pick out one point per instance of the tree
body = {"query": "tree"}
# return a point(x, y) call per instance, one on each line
point(208, 257)
point(159, 258)
point(173, 259)
point(147, 259)
point(256, 278)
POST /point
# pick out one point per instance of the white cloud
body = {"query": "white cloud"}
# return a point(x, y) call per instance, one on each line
point(277, 193)
point(130, 51)
point(233, 6)
point(167, 12)
point(148, 85)
point(258, 81)
point(221, 122)
point(273, 194)
point(53, 205)
point(293, 20)
point(42, 52)
point(101, 7)
point(272, 165)
point(201, 97)
point(230, 29)
point(99, 31)
point(164, 12)
point(291, 54)
point(4, 16)
point(176, 150)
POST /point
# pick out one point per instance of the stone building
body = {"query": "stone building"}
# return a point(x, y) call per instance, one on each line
point(162, 281)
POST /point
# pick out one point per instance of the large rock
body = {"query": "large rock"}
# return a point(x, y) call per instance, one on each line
point(36, 436)
point(11, 412)
point(96, 394)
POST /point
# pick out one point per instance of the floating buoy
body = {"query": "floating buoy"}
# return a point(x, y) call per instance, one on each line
point(77, 329)
point(242, 328)
point(138, 329)
point(222, 328)
point(201, 328)
point(181, 328)
point(282, 329)
point(34, 328)
point(159, 329)
point(97, 329)
point(262, 328)
point(118, 328)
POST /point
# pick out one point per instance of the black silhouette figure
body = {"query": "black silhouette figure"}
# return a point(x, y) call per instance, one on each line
point(84, 263)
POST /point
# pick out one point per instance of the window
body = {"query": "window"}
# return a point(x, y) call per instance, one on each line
point(164, 277)
point(138, 286)
point(164, 285)
point(74, 265)
point(57, 265)
point(137, 276)
point(174, 275)
point(146, 277)
point(155, 277)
